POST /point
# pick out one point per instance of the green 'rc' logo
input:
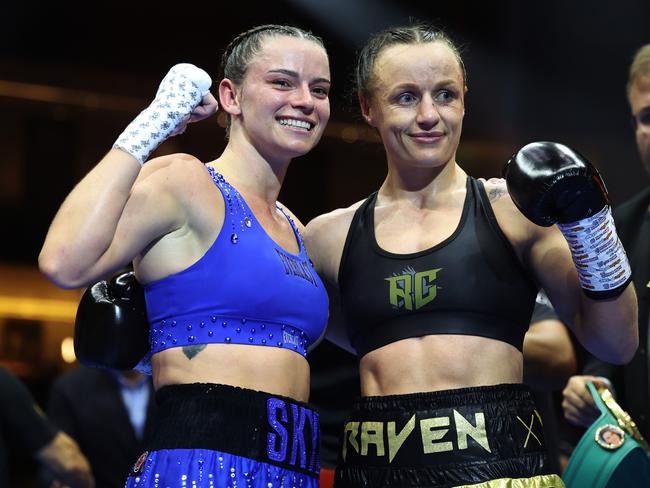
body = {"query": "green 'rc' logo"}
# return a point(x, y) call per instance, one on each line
point(412, 289)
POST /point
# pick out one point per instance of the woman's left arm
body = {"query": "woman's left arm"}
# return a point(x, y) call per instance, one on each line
point(608, 328)
point(574, 248)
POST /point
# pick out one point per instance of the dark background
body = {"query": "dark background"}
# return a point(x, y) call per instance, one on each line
point(72, 77)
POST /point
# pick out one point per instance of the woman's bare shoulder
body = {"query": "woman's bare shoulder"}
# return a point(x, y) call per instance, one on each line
point(325, 237)
point(177, 173)
point(495, 188)
point(337, 220)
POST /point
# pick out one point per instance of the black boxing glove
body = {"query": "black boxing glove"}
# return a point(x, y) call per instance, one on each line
point(111, 327)
point(553, 184)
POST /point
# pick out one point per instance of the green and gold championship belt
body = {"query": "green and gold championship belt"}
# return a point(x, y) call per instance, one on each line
point(612, 453)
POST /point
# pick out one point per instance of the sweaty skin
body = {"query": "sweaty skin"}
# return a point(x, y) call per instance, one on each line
point(417, 105)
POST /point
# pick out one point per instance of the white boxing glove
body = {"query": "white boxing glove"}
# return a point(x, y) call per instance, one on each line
point(179, 93)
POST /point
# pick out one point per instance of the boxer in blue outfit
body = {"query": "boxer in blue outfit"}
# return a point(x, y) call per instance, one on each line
point(233, 302)
point(436, 275)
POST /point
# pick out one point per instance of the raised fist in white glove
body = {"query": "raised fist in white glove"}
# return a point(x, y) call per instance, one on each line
point(183, 96)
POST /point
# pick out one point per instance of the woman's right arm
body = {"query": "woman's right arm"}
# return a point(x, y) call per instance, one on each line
point(325, 238)
point(119, 208)
point(84, 226)
point(107, 219)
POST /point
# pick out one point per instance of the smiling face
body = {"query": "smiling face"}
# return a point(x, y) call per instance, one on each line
point(283, 103)
point(611, 437)
point(416, 102)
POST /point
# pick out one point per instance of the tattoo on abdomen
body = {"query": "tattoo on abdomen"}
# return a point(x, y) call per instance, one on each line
point(191, 351)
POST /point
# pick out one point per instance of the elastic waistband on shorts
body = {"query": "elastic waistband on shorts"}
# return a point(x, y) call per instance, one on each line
point(493, 397)
point(257, 425)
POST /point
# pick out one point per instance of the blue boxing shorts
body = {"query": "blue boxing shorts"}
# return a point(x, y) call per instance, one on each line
point(481, 437)
point(209, 435)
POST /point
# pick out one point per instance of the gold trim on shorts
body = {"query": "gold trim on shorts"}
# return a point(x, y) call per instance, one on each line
point(543, 481)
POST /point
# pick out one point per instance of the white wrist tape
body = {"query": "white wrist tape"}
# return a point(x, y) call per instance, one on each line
point(597, 252)
point(179, 93)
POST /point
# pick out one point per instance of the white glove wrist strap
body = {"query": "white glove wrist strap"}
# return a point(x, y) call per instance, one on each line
point(597, 252)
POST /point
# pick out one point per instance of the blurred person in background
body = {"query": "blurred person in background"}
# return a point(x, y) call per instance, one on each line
point(23, 422)
point(109, 414)
point(631, 383)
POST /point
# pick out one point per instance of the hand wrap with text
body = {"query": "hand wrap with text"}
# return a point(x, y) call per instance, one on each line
point(552, 184)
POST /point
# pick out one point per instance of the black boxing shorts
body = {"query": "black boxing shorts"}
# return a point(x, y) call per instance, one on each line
point(213, 435)
point(478, 436)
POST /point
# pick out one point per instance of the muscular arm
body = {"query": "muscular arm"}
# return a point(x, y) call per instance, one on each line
point(108, 218)
point(606, 328)
point(555, 186)
point(117, 210)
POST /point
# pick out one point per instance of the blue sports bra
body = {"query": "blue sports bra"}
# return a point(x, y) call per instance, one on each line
point(244, 290)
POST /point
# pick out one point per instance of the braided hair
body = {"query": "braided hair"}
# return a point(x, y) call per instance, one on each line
point(243, 48)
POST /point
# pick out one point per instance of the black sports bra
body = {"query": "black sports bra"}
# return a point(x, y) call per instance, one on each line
point(472, 283)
